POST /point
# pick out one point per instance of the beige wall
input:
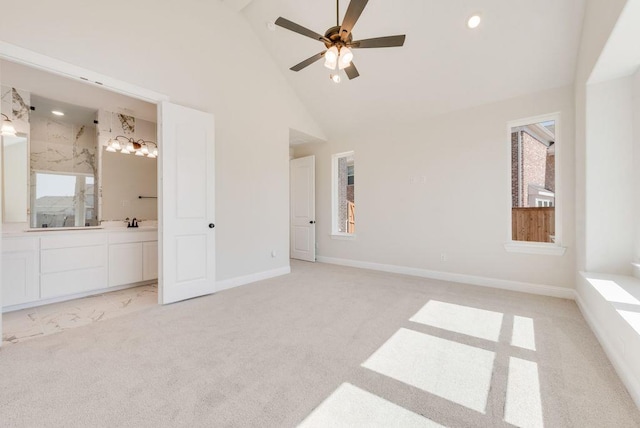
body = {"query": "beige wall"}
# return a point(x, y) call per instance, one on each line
point(463, 209)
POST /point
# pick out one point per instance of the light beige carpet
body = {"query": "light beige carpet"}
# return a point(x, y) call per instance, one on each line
point(321, 345)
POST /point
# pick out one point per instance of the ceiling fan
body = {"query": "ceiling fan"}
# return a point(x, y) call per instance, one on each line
point(339, 41)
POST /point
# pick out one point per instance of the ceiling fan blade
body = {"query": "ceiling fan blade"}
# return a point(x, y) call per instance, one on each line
point(307, 62)
point(351, 17)
point(379, 42)
point(296, 28)
point(352, 72)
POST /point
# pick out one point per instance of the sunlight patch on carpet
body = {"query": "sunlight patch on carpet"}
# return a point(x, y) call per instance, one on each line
point(451, 370)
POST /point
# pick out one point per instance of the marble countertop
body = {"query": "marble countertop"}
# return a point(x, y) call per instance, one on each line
point(91, 229)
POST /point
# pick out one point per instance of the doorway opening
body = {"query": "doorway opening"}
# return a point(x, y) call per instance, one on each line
point(80, 219)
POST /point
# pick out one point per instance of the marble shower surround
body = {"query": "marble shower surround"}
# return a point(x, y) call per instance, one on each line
point(61, 147)
point(15, 104)
point(112, 124)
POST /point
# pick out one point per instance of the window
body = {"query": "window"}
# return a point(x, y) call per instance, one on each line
point(343, 198)
point(534, 151)
point(63, 200)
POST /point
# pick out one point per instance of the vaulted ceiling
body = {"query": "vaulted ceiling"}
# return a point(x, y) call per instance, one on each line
point(521, 46)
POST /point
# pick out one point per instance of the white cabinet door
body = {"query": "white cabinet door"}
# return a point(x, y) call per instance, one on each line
point(149, 260)
point(125, 264)
point(20, 273)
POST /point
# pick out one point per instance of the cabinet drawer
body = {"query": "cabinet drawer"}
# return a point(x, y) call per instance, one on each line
point(10, 245)
point(70, 240)
point(133, 236)
point(63, 259)
point(72, 282)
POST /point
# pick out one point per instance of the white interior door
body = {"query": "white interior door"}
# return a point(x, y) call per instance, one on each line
point(302, 173)
point(186, 184)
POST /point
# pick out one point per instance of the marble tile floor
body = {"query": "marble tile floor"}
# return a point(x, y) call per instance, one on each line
point(27, 324)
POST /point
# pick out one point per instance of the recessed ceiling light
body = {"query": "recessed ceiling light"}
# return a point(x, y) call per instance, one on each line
point(57, 113)
point(474, 21)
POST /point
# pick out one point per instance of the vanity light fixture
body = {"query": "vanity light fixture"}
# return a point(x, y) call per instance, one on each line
point(128, 145)
point(7, 127)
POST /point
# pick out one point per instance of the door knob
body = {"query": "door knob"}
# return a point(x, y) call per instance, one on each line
point(211, 225)
point(312, 222)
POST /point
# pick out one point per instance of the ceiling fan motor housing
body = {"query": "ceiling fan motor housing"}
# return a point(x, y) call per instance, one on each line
point(333, 34)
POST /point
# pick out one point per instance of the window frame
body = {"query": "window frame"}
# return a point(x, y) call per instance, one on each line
point(335, 232)
point(545, 248)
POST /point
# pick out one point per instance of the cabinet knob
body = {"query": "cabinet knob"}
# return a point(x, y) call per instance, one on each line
point(211, 225)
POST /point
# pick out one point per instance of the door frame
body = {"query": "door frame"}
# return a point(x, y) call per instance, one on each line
point(46, 63)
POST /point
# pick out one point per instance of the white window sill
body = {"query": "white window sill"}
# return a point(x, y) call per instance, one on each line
point(535, 248)
point(343, 236)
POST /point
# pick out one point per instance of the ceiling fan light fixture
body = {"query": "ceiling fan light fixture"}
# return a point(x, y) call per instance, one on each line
point(331, 58)
point(332, 54)
point(335, 78)
point(346, 56)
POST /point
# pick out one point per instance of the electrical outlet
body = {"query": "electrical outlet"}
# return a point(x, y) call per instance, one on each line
point(443, 257)
point(125, 203)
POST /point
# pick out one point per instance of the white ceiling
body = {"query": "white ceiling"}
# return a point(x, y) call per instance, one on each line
point(521, 46)
point(69, 93)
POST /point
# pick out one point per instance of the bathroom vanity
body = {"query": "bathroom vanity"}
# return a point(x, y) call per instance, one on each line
point(41, 267)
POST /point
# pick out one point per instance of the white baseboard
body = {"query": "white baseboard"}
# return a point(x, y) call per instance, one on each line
point(621, 367)
point(254, 277)
point(523, 287)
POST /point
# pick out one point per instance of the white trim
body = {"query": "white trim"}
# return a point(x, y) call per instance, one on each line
point(621, 367)
point(343, 236)
point(65, 298)
point(504, 284)
point(254, 277)
point(61, 68)
point(522, 247)
point(559, 202)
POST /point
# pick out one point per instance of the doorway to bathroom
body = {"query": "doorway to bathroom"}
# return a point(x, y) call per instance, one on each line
point(74, 242)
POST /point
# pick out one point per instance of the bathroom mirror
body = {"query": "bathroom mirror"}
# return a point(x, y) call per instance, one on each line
point(15, 178)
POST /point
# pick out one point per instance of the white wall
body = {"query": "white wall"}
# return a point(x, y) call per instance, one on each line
point(462, 210)
point(599, 20)
point(636, 163)
point(183, 49)
point(15, 179)
point(610, 221)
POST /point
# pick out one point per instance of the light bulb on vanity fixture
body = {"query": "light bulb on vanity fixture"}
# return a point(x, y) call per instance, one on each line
point(7, 127)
